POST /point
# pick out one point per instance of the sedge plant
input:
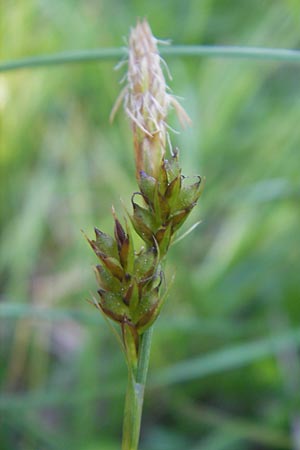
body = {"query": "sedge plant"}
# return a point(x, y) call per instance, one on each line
point(131, 280)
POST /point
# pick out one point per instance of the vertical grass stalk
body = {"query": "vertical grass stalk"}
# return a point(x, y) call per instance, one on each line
point(135, 395)
point(131, 281)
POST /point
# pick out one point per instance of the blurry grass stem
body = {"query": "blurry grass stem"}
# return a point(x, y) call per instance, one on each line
point(107, 54)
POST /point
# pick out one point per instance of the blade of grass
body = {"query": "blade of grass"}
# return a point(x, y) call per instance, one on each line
point(106, 54)
point(226, 359)
point(59, 397)
point(238, 427)
point(219, 441)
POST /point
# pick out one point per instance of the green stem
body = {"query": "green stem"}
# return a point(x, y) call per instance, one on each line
point(135, 394)
point(74, 56)
point(104, 54)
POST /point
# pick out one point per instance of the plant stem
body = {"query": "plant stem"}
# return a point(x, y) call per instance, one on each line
point(135, 394)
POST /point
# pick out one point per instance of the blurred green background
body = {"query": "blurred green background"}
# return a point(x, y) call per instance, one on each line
point(224, 368)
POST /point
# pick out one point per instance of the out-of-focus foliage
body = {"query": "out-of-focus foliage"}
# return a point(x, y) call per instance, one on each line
point(224, 368)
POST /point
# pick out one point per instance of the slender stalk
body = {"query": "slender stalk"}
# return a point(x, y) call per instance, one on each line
point(105, 54)
point(144, 356)
point(223, 51)
point(135, 394)
point(74, 56)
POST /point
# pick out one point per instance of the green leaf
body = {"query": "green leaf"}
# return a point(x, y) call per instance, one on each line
point(148, 187)
point(106, 280)
point(113, 306)
point(145, 311)
point(172, 168)
point(145, 264)
point(105, 243)
point(189, 194)
point(173, 191)
point(226, 359)
point(143, 222)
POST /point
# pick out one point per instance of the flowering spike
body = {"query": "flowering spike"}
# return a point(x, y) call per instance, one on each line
point(130, 280)
point(146, 100)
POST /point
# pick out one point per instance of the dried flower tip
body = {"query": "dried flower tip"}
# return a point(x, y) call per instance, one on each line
point(146, 90)
point(146, 100)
